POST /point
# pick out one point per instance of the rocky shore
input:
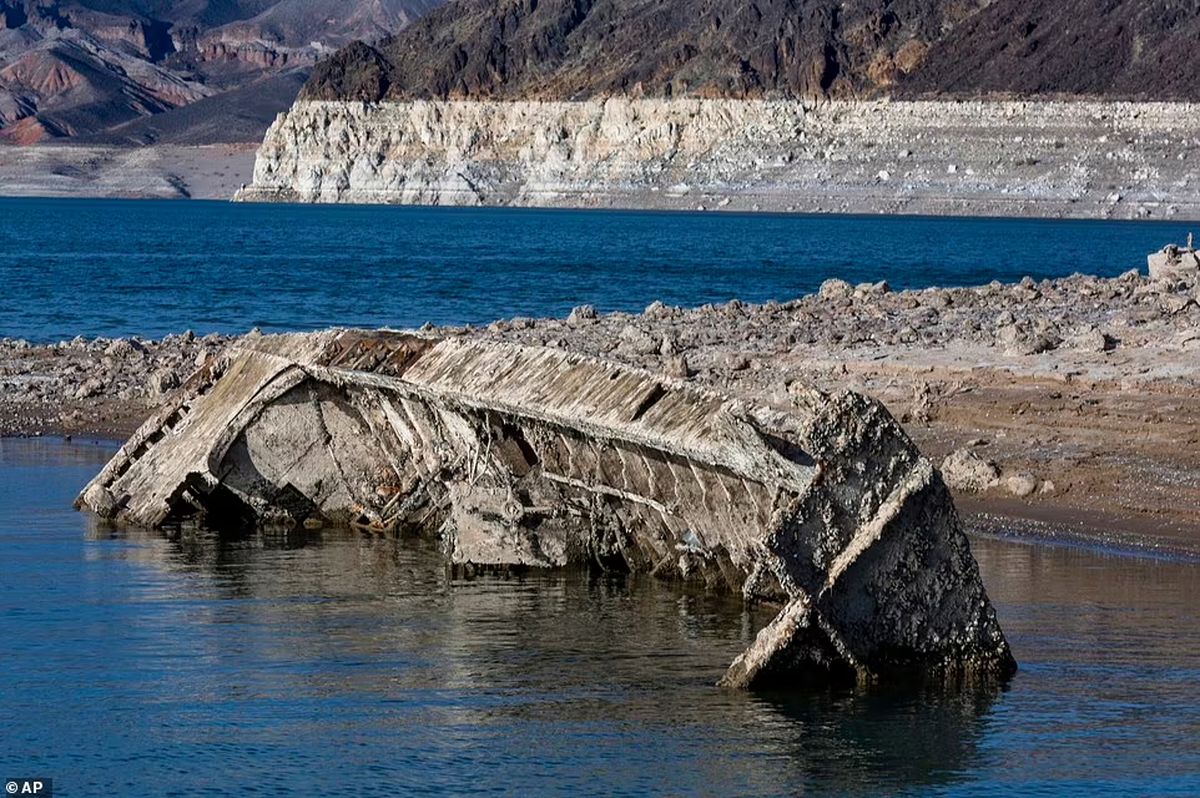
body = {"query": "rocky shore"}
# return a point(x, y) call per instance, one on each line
point(1071, 404)
point(101, 387)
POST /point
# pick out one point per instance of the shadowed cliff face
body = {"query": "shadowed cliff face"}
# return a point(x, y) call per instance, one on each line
point(565, 49)
point(572, 49)
point(1124, 48)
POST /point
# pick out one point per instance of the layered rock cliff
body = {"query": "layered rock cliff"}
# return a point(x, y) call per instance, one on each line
point(1030, 158)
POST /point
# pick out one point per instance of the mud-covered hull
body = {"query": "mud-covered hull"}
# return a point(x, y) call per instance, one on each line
point(533, 457)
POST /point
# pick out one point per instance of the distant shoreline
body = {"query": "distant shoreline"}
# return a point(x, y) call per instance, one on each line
point(600, 208)
point(1053, 159)
point(165, 171)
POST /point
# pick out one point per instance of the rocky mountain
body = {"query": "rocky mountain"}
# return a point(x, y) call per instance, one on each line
point(83, 68)
point(1136, 49)
point(574, 49)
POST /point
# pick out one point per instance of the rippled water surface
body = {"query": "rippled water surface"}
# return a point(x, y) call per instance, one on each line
point(138, 665)
point(123, 267)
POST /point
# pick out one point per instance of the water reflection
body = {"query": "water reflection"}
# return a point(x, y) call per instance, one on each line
point(611, 672)
point(859, 742)
point(196, 661)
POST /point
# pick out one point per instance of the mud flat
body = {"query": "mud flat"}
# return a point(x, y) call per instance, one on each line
point(1072, 405)
point(1009, 158)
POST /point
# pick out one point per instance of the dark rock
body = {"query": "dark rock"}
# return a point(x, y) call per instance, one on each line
point(567, 50)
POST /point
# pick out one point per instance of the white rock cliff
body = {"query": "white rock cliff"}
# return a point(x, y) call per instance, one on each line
point(1085, 159)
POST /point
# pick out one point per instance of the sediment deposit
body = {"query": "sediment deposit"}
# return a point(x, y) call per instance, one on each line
point(1039, 158)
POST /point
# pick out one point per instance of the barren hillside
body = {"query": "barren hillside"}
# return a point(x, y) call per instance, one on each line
point(571, 49)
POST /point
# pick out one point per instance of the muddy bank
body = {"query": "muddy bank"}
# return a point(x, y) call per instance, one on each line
point(1072, 404)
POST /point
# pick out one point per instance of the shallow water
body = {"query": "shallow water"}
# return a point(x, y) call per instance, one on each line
point(139, 665)
point(126, 267)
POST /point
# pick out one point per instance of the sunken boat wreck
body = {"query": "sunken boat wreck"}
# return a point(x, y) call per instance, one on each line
point(535, 457)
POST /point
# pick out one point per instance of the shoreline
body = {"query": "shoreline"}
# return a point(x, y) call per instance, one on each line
point(909, 208)
point(1071, 405)
point(971, 211)
point(1042, 159)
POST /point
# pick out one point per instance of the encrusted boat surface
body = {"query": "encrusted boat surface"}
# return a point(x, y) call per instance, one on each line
point(526, 456)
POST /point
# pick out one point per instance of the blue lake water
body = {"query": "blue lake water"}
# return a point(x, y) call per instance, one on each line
point(121, 267)
point(137, 664)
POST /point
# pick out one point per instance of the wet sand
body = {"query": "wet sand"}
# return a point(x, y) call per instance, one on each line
point(1073, 405)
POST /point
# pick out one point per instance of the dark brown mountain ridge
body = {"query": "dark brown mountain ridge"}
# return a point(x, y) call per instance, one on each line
point(573, 49)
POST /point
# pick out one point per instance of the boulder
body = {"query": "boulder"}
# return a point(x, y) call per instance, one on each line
point(582, 314)
point(124, 348)
point(1021, 484)
point(90, 387)
point(163, 381)
point(676, 367)
point(635, 341)
point(963, 469)
point(835, 289)
point(1091, 339)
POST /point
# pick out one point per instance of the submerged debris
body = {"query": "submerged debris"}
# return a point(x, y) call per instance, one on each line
point(527, 456)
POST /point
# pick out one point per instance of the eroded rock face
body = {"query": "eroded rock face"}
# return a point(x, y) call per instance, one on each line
point(999, 158)
point(524, 456)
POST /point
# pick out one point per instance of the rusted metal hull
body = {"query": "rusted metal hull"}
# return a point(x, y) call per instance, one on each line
point(533, 457)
